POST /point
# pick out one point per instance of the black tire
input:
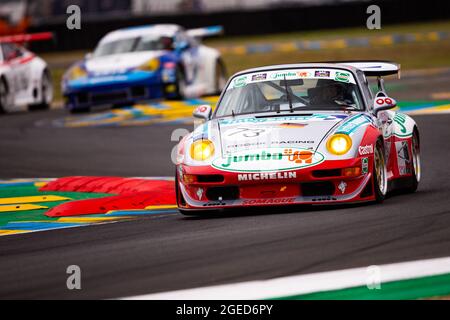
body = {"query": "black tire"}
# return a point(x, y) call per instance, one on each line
point(379, 173)
point(220, 76)
point(416, 165)
point(3, 94)
point(180, 86)
point(46, 85)
point(120, 105)
point(80, 110)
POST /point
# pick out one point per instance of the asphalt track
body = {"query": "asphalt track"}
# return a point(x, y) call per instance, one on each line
point(168, 252)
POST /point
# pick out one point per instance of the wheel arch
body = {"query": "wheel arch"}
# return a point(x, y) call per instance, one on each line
point(403, 125)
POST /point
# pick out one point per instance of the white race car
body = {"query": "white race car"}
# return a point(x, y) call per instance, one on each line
point(25, 81)
point(299, 134)
point(142, 63)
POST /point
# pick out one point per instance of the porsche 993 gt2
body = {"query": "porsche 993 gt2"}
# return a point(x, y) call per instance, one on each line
point(299, 134)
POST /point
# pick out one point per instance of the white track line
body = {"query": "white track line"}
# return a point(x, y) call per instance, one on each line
point(303, 284)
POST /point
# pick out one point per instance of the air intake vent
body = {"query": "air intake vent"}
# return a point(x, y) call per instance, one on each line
point(320, 188)
point(226, 193)
point(210, 178)
point(327, 173)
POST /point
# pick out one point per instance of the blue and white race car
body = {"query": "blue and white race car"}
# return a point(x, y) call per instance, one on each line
point(141, 63)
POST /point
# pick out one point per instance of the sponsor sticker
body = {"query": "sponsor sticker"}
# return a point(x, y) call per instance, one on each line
point(259, 77)
point(322, 74)
point(290, 119)
point(267, 176)
point(342, 76)
point(240, 81)
point(253, 202)
point(352, 124)
point(282, 75)
point(342, 186)
point(200, 193)
point(404, 161)
point(365, 150)
point(365, 165)
point(303, 74)
point(268, 160)
point(400, 119)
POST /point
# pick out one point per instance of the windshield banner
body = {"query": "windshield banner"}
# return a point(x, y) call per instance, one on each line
point(339, 75)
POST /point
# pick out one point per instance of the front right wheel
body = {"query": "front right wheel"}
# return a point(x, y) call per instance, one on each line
point(46, 93)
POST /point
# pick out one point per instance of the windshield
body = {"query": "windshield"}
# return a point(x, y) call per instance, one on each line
point(133, 45)
point(291, 91)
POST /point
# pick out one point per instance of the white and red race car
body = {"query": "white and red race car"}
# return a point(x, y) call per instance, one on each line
point(299, 134)
point(25, 81)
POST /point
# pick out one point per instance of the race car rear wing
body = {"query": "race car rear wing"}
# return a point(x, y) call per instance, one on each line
point(205, 32)
point(375, 68)
point(24, 38)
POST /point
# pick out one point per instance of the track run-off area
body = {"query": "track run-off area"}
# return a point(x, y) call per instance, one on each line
point(154, 252)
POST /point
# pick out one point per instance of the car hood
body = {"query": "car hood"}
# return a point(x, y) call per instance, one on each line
point(119, 63)
point(303, 131)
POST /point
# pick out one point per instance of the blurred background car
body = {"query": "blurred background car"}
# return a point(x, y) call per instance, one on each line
point(25, 80)
point(258, 32)
point(145, 62)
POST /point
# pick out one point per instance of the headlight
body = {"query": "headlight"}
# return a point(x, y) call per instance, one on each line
point(339, 144)
point(77, 72)
point(202, 150)
point(150, 65)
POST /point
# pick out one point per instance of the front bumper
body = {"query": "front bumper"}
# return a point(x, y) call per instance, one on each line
point(321, 184)
point(114, 89)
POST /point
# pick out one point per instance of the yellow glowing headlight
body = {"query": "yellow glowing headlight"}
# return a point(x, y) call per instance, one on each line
point(339, 144)
point(202, 150)
point(150, 65)
point(77, 72)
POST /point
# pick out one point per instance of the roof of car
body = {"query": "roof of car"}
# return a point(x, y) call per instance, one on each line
point(139, 31)
point(296, 66)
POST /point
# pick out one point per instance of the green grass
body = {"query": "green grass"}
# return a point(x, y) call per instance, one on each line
point(419, 288)
point(420, 55)
point(410, 56)
point(57, 74)
point(331, 33)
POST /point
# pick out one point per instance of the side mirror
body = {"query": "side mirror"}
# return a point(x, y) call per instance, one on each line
point(203, 112)
point(383, 103)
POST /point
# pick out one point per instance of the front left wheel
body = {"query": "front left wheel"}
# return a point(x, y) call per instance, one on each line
point(416, 164)
point(379, 173)
point(177, 90)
